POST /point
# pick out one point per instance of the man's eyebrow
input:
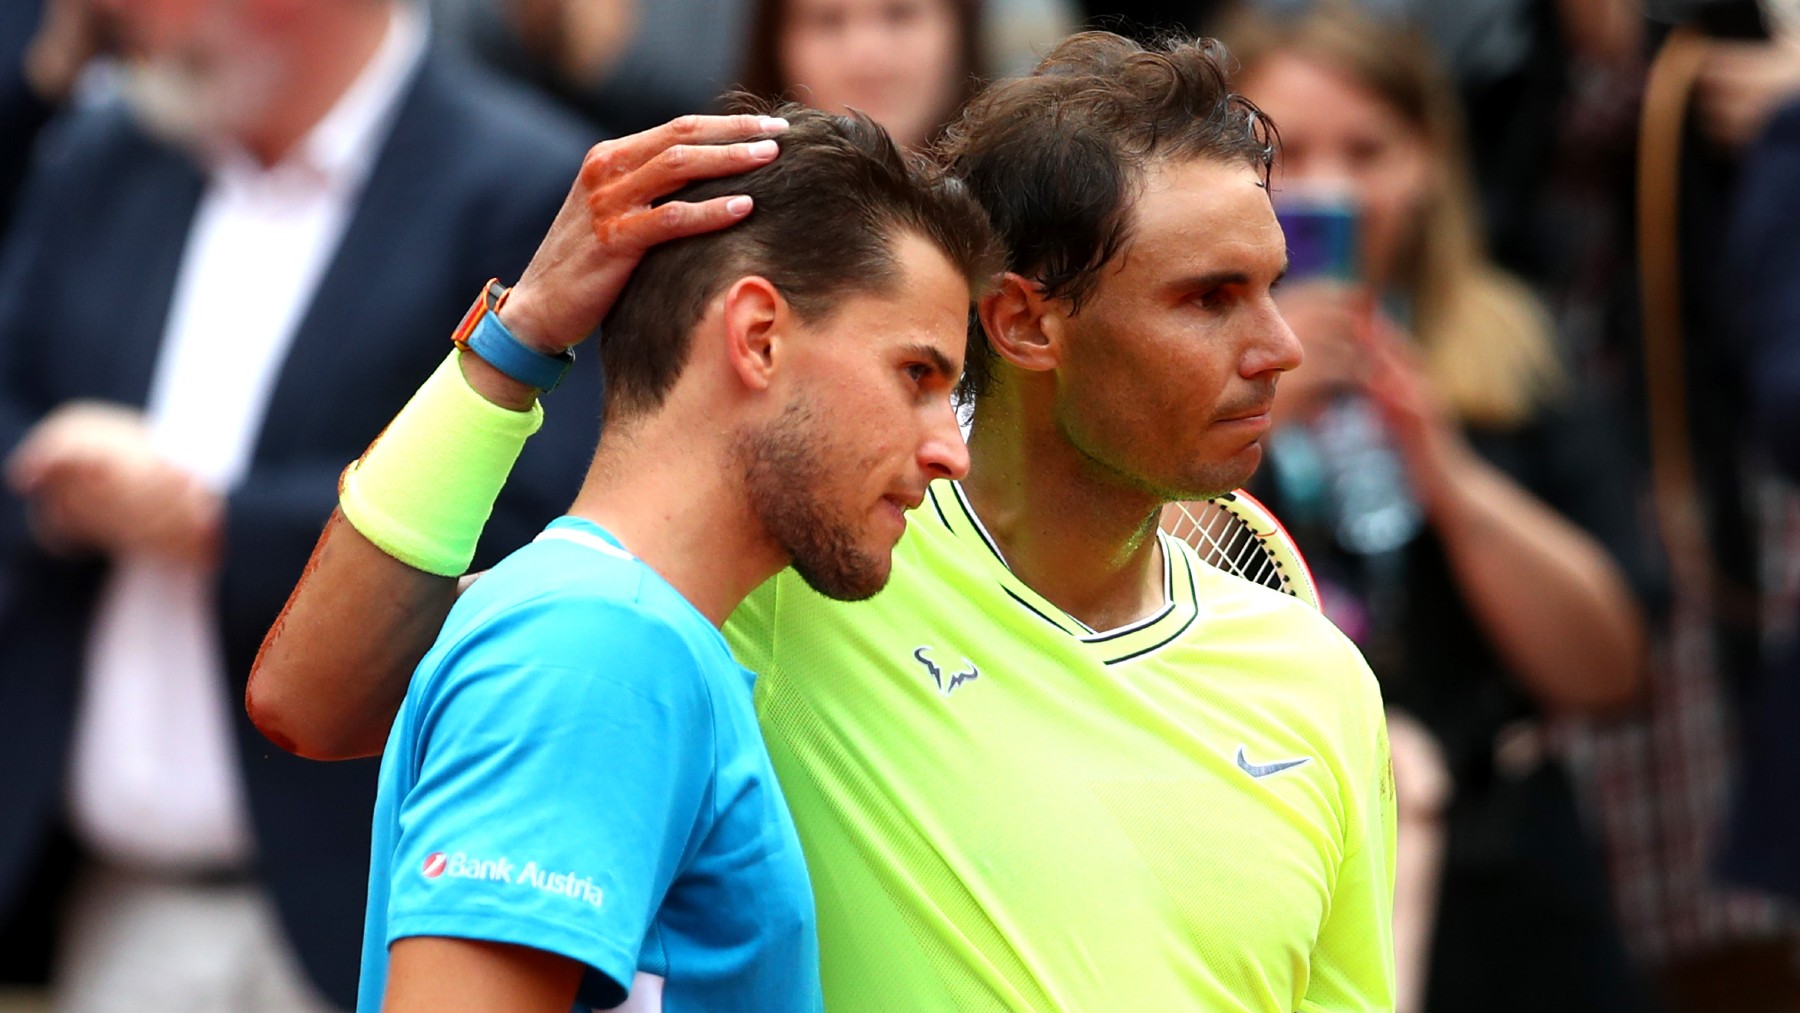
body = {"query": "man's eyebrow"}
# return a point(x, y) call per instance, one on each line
point(1213, 279)
point(1229, 276)
point(932, 354)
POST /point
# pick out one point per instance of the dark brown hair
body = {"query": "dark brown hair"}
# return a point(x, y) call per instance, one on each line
point(1057, 158)
point(763, 77)
point(829, 212)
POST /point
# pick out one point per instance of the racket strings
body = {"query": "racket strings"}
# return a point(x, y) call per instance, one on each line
point(1230, 544)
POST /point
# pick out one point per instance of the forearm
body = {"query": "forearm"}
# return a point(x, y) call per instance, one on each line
point(320, 690)
point(334, 667)
point(1555, 605)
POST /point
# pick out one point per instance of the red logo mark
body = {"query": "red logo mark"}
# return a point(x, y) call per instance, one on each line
point(434, 865)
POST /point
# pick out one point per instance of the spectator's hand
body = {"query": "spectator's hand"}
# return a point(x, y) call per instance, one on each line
point(1427, 436)
point(71, 33)
point(1325, 316)
point(608, 220)
point(1742, 85)
point(96, 483)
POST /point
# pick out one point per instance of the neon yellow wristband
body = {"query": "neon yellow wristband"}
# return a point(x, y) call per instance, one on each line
point(423, 490)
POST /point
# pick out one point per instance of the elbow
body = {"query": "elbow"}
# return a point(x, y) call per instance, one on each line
point(1613, 679)
point(281, 718)
point(1620, 688)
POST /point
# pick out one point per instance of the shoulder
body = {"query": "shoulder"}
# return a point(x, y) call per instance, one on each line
point(492, 120)
point(554, 618)
point(85, 146)
point(103, 128)
point(492, 161)
point(1229, 595)
point(96, 182)
point(1277, 632)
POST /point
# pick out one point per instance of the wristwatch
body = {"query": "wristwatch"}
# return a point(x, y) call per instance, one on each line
point(482, 333)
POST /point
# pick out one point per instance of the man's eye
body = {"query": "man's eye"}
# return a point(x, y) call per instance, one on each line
point(918, 372)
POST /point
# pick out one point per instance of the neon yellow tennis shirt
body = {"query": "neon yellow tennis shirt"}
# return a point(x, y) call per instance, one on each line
point(1004, 810)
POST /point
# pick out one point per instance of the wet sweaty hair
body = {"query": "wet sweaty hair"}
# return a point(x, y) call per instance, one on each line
point(1058, 158)
point(830, 211)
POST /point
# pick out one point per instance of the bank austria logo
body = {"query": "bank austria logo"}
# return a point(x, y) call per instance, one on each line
point(531, 876)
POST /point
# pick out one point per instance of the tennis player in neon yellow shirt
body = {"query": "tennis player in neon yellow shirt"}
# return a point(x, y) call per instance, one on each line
point(1057, 764)
point(1004, 810)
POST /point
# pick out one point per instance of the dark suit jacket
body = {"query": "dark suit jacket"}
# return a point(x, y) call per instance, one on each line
point(465, 185)
point(22, 113)
point(1762, 280)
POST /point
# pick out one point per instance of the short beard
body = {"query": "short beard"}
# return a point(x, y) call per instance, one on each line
point(196, 106)
point(785, 476)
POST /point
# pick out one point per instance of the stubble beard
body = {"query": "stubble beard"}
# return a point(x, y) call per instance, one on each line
point(786, 472)
point(1185, 481)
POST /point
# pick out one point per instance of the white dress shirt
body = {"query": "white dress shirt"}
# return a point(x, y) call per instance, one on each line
point(154, 780)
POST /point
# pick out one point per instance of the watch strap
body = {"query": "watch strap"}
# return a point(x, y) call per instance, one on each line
point(482, 333)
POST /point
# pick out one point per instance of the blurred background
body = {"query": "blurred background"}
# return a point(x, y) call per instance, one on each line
point(1559, 236)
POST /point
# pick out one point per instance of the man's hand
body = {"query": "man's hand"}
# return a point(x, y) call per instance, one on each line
point(609, 221)
point(96, 483)
point(1325, 316)
point(1424, 431)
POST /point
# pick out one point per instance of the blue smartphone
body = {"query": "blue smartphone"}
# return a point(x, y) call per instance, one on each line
point(1321, 235)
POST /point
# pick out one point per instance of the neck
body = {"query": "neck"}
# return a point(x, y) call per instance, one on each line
point(678, 504)
point(326, 50)
point(1071, 528)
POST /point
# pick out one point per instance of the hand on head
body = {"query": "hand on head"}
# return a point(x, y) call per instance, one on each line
point(611, 217)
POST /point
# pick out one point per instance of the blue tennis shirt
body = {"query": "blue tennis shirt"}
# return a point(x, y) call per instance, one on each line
point(577, 768)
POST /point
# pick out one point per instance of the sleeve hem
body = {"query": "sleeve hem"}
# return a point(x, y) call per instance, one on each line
point(519, 930)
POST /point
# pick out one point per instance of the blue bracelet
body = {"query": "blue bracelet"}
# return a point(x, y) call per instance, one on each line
point(482, 333)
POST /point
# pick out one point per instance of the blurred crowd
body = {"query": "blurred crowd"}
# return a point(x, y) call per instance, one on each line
point(1545, 267)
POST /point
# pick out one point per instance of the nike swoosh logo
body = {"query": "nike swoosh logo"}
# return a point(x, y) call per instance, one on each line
point(1265, 769)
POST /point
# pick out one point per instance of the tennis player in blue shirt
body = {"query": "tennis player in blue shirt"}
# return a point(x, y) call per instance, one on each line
point(575, 802)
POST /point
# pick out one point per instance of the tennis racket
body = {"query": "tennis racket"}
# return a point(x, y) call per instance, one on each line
point(1239, 535)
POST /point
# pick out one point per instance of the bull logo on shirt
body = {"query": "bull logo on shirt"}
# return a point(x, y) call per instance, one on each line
point(946, 686)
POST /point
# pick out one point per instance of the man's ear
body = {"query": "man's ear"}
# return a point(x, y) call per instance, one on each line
point(1023, 326)
point(756, 319)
